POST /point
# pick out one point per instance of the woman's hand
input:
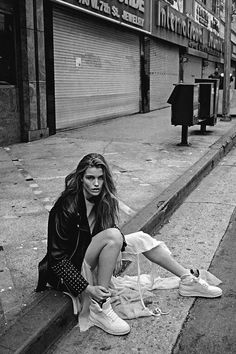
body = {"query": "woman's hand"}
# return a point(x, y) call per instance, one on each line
point(118, 265)
point(98, 292)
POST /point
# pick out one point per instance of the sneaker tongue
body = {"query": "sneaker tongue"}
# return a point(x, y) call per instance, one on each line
point(100, 303)
point(106, 304)
point(187, 277)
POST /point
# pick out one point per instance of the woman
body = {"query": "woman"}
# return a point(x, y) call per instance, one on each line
point(83, 237)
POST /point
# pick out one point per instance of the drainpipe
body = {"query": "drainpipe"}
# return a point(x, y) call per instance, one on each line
point(227, 62)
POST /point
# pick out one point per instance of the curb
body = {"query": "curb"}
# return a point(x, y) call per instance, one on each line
point(152, 217)
point(47, 318)
point(39, 325)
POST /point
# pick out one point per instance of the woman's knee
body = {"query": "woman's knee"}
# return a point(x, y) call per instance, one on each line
point(109, 237)
point(113, 237)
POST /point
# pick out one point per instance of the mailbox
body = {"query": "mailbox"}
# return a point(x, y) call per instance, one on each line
point(184, 101)
point(212, 118)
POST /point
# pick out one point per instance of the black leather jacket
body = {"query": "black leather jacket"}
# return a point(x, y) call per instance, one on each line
point(69, 234)
point(68, 239)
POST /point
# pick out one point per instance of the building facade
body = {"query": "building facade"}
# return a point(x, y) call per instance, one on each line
point(70, 63)
point(96, 50)
point(23, 115)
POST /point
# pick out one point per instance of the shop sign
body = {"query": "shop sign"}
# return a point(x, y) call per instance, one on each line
point(134, 13)
point(176, 4)
point(198, 37)
point(174, 21)
point(213, 45)
point(206, 19)
point(201, 15)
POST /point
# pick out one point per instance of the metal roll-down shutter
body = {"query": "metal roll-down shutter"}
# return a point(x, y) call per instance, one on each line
point(97, 69)
point(192, 69)
point(164, 72)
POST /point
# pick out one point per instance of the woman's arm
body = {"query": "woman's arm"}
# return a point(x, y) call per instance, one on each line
point(62, 241)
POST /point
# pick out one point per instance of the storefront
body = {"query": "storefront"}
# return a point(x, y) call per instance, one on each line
point(97, 60)
point(164, 71)
point(192, 50)
point(192, 68)
point(209, 67)
point(69, 63)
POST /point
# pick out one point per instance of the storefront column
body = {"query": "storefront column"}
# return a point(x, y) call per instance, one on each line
point(33, 78)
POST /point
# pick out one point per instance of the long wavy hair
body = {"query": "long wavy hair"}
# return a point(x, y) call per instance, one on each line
point(107, 210)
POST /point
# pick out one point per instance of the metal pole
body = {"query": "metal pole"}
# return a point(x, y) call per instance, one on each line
point(227, 62)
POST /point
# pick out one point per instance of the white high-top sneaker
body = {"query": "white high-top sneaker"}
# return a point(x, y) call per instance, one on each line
point(105, 318)
point(191, 286)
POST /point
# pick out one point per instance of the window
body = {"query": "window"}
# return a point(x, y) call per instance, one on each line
point(7, 52)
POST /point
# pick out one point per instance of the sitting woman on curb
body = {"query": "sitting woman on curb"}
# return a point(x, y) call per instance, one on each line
point(83, 237)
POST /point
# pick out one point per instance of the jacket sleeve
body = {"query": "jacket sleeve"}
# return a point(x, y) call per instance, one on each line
point(61, 227)
point(70, 277)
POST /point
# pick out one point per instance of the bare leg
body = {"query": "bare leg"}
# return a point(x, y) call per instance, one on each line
point(189, 285)
point(103, 252)
point(161, 256)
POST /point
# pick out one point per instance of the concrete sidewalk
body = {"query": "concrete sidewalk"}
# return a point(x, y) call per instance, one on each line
point(153, 177)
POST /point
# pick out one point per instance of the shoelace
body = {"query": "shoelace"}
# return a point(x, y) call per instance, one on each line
point(157, 311)
point(202, 282)
point(113, 316)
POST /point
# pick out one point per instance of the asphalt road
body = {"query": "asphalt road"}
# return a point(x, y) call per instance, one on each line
point(210, 327)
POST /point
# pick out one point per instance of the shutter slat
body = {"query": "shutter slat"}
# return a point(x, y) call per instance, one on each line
point(108, 81)
point(192, 69)
point(164, 72)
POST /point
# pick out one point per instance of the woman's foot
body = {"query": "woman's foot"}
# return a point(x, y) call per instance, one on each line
point(105, 318)
point(192, 286)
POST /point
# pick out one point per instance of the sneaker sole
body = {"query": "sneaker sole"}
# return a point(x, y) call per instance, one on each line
point(98, 324)
point(192, 294)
